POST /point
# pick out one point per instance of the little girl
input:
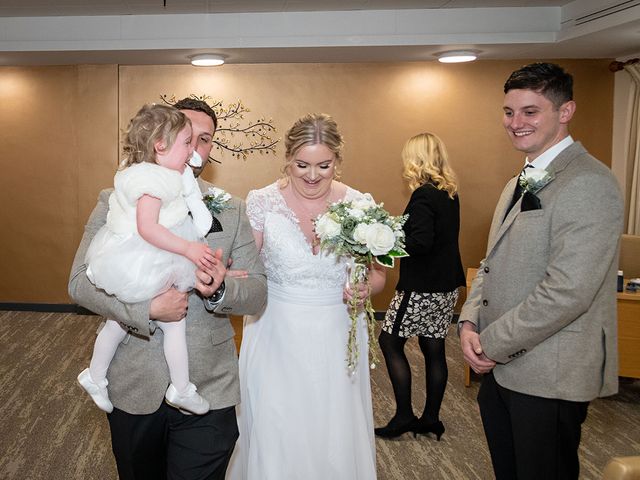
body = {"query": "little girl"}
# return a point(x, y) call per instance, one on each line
point(150, 243)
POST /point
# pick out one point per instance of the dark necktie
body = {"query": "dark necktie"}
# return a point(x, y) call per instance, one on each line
point(216, 226)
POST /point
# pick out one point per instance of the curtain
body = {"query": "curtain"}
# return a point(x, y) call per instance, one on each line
point(633, 158)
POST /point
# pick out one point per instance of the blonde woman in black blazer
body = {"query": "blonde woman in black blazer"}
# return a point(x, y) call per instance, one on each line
point(427, 290)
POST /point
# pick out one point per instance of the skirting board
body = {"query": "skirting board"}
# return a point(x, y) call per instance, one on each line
point(46, 307)
point(73, 308)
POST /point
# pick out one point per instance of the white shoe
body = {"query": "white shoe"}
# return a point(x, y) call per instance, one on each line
point(191, 401)
point(98, 391)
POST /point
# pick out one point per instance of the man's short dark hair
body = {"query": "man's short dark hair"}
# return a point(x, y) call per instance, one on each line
point(198, 106)
point(547, 79)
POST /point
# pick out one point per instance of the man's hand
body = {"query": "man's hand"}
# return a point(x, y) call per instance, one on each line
point(210, 276)
point(170, 306)
point(472, 349)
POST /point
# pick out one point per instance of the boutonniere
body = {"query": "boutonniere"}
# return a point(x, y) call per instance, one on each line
point(216, 200)
point(533, 179)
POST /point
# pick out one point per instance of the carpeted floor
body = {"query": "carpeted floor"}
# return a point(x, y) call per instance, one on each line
point(50, 430)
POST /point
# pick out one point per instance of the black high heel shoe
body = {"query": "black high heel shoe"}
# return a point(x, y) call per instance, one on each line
point(392, 431)
point(437, 428)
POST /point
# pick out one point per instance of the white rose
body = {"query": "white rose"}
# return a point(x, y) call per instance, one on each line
point(363, 203)
point(535, 174)
point(380, 239)
point(360, 233)
point(356, 213)
point(327, 227)
point(215, 191)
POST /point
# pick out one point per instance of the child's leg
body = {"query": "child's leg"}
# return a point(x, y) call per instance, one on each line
point(105, 348)
point(181, 393)
point(176, 354)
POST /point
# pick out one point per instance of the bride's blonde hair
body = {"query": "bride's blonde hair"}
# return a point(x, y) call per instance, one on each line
point(312, 129)
point(425, 160)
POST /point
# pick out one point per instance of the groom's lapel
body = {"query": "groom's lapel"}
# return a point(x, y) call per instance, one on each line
point(555, 168)
point(216, 224)
point(498, 227)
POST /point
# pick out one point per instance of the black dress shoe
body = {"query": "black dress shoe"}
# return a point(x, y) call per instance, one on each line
point(393, 430)
point(437, 428)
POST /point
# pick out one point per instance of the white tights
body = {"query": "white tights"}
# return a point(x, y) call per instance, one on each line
point(175, 351)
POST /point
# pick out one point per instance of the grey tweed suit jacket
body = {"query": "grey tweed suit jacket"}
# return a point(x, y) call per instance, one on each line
point(544, 300)
point(138, 375)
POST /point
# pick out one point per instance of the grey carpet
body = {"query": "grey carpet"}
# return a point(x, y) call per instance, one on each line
point(49, 429)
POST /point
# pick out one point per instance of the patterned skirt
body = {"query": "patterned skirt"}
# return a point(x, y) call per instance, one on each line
point(423, 314)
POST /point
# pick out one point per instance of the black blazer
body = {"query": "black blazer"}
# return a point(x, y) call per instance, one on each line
point(434, 263)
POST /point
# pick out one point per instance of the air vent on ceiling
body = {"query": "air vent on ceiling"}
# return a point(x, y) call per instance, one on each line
point(605, 12)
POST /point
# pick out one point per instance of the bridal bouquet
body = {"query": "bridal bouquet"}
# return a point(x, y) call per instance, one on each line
point(362, 230)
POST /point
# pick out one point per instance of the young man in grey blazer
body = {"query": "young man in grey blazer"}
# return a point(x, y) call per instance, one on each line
point(150, 439)
point(540, 319)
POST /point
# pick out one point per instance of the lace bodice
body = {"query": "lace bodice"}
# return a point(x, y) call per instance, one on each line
point(286, 252)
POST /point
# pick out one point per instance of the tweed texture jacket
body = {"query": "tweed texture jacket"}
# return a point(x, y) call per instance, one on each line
point(544, 300)
point(138, 375)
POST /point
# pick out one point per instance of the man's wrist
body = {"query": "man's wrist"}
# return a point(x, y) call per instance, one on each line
point(462, 325)
point(216, 298)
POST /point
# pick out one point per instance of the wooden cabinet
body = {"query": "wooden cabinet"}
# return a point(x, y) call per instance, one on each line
point(629, 334)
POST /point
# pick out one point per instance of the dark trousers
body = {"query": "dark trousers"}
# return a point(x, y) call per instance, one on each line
point(168, 444)
point(530, 437)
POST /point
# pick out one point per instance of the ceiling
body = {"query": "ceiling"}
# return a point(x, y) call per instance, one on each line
point(37, 8)
point(49, 32)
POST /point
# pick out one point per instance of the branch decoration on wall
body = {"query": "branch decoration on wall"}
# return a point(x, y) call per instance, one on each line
point(235, 134)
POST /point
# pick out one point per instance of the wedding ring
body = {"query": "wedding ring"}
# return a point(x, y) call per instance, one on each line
point(210, 281)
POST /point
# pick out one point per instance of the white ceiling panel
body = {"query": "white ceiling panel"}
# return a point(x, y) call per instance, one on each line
point(258, 31)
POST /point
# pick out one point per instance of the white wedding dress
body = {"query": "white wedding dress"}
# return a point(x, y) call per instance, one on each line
point(303, 414)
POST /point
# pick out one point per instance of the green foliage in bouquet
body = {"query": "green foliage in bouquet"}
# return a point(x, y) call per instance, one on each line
point(362, 230)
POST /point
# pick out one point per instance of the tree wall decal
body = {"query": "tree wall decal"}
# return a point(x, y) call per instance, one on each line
point(239, 136)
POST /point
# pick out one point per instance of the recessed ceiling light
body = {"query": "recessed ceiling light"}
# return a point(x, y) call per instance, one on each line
point(457, 56)
point(207, 60)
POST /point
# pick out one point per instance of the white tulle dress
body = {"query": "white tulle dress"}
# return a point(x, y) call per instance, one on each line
point(119, 260)
point(303, 414)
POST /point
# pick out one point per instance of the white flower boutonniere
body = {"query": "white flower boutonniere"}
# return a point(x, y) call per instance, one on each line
point(216, 200)
point(533, 179)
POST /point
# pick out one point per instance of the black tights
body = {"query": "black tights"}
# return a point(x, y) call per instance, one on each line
point(400, 374)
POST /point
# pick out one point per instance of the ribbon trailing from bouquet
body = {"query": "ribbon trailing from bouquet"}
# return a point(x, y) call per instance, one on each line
point(363, 231)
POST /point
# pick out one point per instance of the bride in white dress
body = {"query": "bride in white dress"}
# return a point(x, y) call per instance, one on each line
point(303, 414)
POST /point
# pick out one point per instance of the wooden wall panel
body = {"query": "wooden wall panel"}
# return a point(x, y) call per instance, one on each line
point(59, 140)
point(66, 122)
point(378, 107)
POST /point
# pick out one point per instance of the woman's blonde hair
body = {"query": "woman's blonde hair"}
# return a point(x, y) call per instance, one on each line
point(152, 123)
point(313, 129)
point(425, 160)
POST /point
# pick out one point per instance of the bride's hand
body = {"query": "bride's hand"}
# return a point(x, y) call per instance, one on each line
point(235, 273)
point(372, 286)
point(359, 294)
